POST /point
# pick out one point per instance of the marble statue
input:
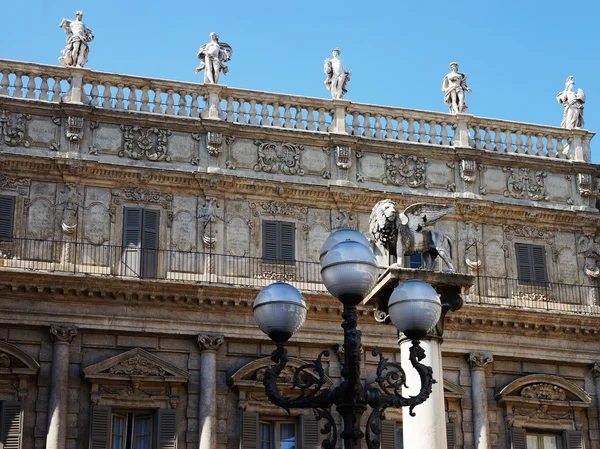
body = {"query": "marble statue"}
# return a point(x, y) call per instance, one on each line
point(337, 78)
point(455, 88)
point(573, 104)
point(75, 53)
point(213, 57)
point(397, 234)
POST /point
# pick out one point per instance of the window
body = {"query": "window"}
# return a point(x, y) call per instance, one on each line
point(543, 441)
point(140, 242)
point(131, 430)
point(538, 439)
point(7, 213)
point(531, 264)
point(11, 424)
point(415, 261)
point(278, 241)
point(277, 435)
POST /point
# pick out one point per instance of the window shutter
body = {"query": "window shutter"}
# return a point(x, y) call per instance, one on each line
point(150, 243)
point(100, 428)
point(132, 241)
point(450, 435)
point(7, 213)
point(539, 264)
point(167, 428)
point(309, 429)
point(518, 438)
point(524, 266)
point(270, 240)
point(388, 434)
point(249, 436)
point(573, 439)
point(288, 240)
point(12, 425)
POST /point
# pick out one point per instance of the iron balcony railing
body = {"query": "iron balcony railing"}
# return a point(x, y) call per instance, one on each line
point(212, 268)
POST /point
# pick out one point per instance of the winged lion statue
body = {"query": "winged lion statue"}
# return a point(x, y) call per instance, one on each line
point(397, 234)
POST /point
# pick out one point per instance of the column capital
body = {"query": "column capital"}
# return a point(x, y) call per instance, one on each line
point(209, 342)
point(479, 360)
point(62, 334)
point(596, 370)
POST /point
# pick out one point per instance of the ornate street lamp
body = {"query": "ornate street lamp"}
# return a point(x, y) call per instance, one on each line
point(349, 272)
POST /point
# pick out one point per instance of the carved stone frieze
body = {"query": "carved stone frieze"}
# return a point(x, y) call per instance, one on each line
point(151, 144)
point(13, 130)
point(74, 131)
point(137, 366)
point(135, 388)
point(544, 391)
point(210, 342)
point(62, 334)
point(522, 183)
point(479, 360)
point(543, 413)
point(528, 232)
point(140, 195)
point(8, 182)
point(405, 170)
point(468, 170)
point(278, 208)
point(275, 276)
point(279, 158)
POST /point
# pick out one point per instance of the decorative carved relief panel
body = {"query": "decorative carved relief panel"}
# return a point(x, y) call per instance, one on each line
point(151, 143)
point(279, 158)
point(405, 170)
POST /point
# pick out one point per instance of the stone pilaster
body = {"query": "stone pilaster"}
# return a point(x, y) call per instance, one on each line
point(209, 344)
point(62, 336)
point(596, 375)
point(481, 425)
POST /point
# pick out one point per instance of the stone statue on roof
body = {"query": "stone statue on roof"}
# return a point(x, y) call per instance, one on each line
point(213, 57)
point(455, 89)
point(573, 105)
point(75, 53)
point(337, 77)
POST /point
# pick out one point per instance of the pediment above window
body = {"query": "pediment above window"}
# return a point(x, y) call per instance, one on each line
point(16, 369)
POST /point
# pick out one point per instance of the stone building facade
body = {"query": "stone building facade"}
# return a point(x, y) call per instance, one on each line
point(140, 217)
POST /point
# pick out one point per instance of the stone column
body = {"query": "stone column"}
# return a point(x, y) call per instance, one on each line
point(208, 390)
point(426, 430)
point(596, 375)
point(62, 336)
point(481, 424)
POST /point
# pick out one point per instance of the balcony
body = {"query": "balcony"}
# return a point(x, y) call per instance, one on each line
point(206, 267)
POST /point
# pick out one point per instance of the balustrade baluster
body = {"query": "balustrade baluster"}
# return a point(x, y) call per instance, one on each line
point(276, 115)
point(389, 128)
point(487, 138)
point(519, 142)
point(412, 136)
point(529, 145)
point(182, 104)
point(508, 143)
point(477, 138)
point(145, 100)
point(131, 99)
point(5, 82)
point(195, 106)
point(400, 129)
point(310, 119)
point(299, 124)
point(378, 132)
point(43, 88)
point(559, 146)
point(253, 118)
point(120, 104)
point(433, 138)
point(355, 124)
point(241, 112)
point(18, 93)
point(539, 145)
point(444, 134)
point(550, 147)
point(56, 89)
point(230, 117)
point(30, 86)
point(264, 114)
point(321, 120)
point(367, 129)
point(170, 110)
point(422, 132)
point(157, 101)
point(287, 116)
point(497, 140)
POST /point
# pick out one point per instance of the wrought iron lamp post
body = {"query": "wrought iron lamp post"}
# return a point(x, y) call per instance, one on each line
point(349, 272)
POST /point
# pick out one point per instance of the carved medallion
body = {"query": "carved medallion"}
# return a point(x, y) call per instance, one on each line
point(405, 170)
point(150, 144)
point(521, 183)
point(279, 158)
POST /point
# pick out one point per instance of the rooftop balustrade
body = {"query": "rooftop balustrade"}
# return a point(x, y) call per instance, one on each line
point(45, 83)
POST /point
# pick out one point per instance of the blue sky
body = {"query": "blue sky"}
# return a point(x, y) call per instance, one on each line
point(517, 54)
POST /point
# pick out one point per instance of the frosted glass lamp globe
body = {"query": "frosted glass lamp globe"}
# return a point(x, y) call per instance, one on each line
point(279, 310)
point(414, 308)
point(342, 235)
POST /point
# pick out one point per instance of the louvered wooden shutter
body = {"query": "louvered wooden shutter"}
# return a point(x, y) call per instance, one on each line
point(100, 427)
point(450, 435)
point(7, 213)
point(309, 429)
point(249, 434)
point(573, 439)
point(132, 241)
point(150, 243)
point(166, 428)
point(388, 434)
point(287, 242)
point(270, 240)
point(538, 256)
point(518, 438)
point(524, 266)
point(11, 433)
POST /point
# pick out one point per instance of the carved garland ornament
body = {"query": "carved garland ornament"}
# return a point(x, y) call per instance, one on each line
point(528, 232)
point(137, 366)
point(14, 132)
point(7, 182)
point(524, 184)
point(278, 208)
point(274, 158)
point(151, 144)
point(405, 170)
